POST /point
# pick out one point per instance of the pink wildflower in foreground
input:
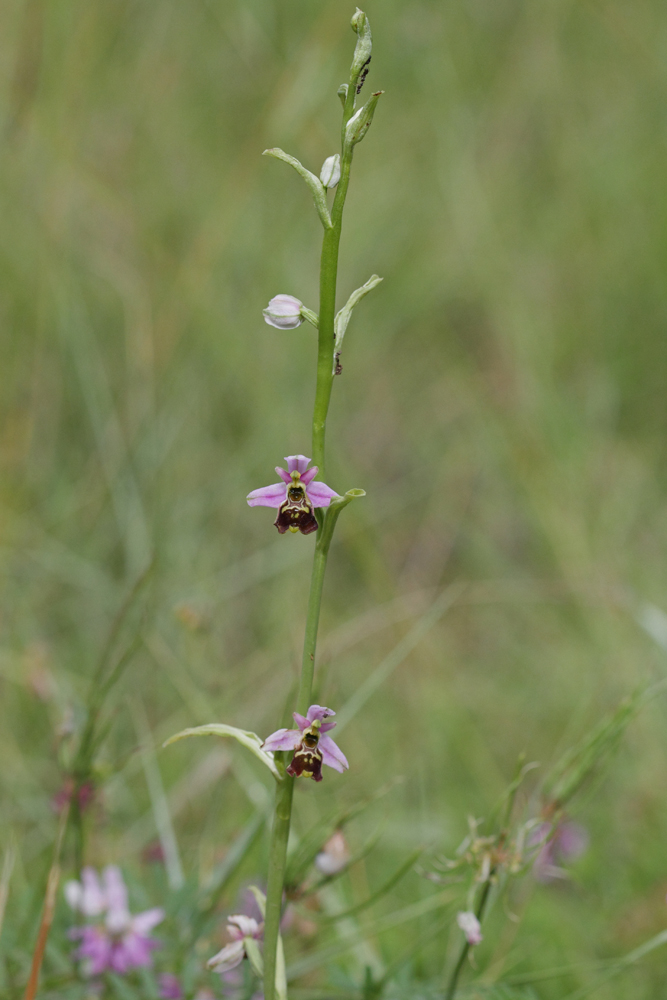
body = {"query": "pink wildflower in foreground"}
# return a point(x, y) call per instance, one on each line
point(118, 941)
point(239, 928)
point(558, 846)
point(312, 747)
point(470, 926)
point(295, 497)
point(170, 987)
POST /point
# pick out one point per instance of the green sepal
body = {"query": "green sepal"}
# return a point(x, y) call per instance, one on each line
point(314, 183)
point(247, 739)
point(344, 315)
point(342, 93)
point(359, 123)
point(254, 956)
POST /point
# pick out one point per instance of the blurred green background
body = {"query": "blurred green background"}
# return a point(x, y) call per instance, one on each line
point(503, 402)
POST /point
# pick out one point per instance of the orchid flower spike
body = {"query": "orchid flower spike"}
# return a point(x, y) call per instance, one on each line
point(239, 928)
point(312, 747)
point(295, 497)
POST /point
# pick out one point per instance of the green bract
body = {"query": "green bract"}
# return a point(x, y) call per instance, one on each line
point(314, 183)
point(344, 315)
point(359, 123)
point(247, 739)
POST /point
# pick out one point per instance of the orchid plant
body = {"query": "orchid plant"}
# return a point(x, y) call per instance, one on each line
point(307, 505)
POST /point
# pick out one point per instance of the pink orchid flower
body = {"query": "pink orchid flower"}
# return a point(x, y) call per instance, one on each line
point(119, 942)
point(295, 497)
point(312, 747)
point(239, 927)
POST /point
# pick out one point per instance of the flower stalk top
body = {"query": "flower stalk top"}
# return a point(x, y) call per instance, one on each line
point(118, 942)
point(295, 497)
point(312, 747)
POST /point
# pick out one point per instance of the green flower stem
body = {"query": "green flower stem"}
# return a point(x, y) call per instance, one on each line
point(328, 278)
point(285, 791)
point(276, 881)
point(450, 992)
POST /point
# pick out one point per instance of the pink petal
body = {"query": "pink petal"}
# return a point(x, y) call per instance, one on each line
point(118, 914)
point(307, 477)
point(92, 900)
point(248, 926)
point(318, 712)
point(95, 949)
point(132, 952)
point(230, 956)
point(146, 921)
point(285, 476)
point(297, 463)
point(282, 739)
point(332, 755)
point(326, 726)
point(268, 496)
point(320, 495)
point(301, 721)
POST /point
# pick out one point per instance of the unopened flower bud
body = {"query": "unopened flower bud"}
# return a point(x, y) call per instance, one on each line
point(359, 124)
point(330, 172)
point(470, 926)
point(284, 312)
point(358, 20)
point(363, 49)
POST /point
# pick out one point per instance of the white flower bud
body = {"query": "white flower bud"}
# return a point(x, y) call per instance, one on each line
point(334, 856)
point(359, 124)
point(330, 172)
point(471, 927)
point(284, 312)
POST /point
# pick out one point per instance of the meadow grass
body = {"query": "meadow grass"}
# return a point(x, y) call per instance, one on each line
point(502, 402)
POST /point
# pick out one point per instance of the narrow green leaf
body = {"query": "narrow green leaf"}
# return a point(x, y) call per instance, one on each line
point(384, 670)
point(247, 739)
point(578, 763)
point(359, 856)
point(300, 861)
point(224, 872)
point(382, 891)
point(408, 913)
